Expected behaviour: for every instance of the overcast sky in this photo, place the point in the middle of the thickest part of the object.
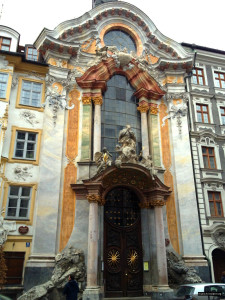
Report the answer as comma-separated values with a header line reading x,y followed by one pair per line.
x,y
194,21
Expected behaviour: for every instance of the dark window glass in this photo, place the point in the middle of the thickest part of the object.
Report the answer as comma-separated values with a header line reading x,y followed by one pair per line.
x,y
118,112
120,39
215,204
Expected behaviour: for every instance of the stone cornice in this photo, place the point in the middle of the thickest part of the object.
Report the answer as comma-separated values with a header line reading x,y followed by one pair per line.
x,y
198,134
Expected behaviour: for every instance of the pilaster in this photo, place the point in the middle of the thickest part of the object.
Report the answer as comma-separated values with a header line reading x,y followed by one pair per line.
x,y
143,108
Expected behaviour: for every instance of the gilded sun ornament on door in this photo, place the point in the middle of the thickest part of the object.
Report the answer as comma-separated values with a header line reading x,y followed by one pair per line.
x,y
113,259
132,258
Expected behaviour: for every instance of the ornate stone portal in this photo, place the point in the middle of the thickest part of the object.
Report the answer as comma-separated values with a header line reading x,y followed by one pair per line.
x,y
130,171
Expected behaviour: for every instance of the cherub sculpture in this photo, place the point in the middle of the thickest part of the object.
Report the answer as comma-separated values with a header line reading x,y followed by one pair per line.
x,y
103,160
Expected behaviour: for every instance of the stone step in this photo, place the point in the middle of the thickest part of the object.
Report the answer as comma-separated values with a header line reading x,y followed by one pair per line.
x,y
129,298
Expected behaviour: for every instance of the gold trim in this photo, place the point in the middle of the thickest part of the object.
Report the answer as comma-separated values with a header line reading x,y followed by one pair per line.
x,y
97,100
157,203
32,200
92,198
143,108
18,105
12,146
86,100
153,109
9,83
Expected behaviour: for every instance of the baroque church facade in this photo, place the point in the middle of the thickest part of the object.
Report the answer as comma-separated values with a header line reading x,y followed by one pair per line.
x,y
112,141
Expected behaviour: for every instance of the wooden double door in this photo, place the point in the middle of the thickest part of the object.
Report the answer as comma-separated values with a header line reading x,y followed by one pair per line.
x,y
123,263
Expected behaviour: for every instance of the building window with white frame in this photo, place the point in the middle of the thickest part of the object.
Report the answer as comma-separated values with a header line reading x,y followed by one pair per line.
x,y
18,204
25,146
222,114
198,76
31,93
219,80
3,84
202,113
209,158
215,204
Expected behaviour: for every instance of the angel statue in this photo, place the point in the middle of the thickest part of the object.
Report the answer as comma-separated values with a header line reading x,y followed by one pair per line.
x,y
127,149
148,164
103,160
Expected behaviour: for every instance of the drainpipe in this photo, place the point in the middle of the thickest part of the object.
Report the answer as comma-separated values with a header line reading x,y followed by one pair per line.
x,y
187,89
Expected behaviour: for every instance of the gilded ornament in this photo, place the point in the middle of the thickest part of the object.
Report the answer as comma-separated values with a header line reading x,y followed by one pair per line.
x,y
144,204
154,110
86,100
113,259
143,108
92,198
97,100
157,203
132,258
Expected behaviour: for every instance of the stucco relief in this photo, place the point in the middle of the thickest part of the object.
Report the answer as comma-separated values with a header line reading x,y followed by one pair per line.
x,y
29,117
3,63
219,237
5,228
22,173
178,110
56,98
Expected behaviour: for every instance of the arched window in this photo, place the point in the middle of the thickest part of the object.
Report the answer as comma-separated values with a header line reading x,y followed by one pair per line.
x,y
120,39
118,110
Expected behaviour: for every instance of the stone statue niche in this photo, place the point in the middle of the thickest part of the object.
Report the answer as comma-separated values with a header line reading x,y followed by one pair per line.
x,y
99,2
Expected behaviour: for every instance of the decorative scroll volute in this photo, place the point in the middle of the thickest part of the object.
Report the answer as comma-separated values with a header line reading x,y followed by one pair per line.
x,y
86,100
97,100
95,198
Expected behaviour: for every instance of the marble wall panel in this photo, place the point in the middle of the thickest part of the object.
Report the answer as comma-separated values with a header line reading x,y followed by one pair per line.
x,y
48,193
86,133
188,210
79,236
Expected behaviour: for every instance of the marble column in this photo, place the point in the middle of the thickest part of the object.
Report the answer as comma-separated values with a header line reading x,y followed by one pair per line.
x,y
97,124
143,108
158,204
92,289
92,262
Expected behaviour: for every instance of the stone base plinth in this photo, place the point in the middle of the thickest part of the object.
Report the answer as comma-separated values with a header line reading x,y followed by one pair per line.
x,y
92,293
195,261
38,270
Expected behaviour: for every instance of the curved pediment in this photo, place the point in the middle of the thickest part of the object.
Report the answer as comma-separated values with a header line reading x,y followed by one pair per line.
x,y
129,175
67,37
97,76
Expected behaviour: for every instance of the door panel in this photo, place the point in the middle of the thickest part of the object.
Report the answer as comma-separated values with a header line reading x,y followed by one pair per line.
x,y
218,256
122,244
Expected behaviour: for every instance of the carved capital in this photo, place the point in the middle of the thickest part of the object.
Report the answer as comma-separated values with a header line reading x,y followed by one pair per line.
x,y
157,202
143,107
153,108
144,204
86,100
93,198
97,100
